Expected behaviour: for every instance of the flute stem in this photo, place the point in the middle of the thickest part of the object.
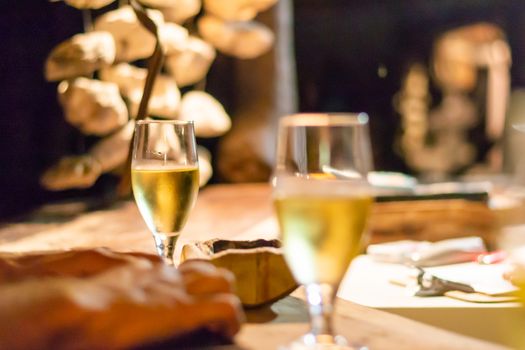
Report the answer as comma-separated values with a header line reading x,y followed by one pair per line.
x,y
320,297
166,247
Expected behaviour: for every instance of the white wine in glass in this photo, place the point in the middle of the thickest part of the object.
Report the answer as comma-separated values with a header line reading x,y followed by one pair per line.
x,y
322,200
165,179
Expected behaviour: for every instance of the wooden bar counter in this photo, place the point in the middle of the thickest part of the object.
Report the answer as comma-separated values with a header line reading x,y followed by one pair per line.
x,y
229,212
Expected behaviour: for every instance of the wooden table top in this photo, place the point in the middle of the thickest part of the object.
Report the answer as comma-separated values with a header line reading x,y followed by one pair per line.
x,y
230,212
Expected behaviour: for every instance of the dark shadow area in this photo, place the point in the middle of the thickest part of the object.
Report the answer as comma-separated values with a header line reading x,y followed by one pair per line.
x,y
352,56
287,310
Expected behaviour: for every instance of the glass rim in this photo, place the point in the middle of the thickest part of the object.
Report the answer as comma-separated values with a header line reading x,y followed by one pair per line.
x,y
164,121
324,119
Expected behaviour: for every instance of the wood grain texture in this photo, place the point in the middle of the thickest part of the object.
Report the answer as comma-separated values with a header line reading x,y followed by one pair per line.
x,y
230,212
360,325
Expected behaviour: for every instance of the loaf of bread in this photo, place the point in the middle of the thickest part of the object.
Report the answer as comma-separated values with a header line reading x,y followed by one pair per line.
x,y
98,299
262,275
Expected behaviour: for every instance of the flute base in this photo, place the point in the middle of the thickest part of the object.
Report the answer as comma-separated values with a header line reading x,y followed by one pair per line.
x,y
310,341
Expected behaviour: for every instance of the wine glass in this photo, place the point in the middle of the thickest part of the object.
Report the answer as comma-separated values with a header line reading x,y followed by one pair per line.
x,y
165,178
322,200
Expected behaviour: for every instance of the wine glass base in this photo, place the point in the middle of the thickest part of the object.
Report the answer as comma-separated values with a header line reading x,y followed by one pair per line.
x,y
322,342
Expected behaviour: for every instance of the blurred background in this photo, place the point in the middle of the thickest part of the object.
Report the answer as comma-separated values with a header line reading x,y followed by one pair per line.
x,y
441,81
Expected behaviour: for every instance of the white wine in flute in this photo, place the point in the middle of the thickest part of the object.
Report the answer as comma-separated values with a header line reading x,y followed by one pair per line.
x,y
165,196
321,235
322,227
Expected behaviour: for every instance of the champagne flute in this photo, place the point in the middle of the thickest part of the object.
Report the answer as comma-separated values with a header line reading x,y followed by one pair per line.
x,y
322,200
165,179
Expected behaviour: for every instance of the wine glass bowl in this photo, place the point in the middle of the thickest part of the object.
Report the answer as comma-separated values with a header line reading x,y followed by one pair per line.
x,y
165,179
322,200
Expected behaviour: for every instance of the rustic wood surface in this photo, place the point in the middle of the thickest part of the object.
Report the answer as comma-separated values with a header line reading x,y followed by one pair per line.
x,y
231,212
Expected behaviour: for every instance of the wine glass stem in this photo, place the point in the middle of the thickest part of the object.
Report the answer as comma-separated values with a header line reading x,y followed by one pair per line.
x,y
320,305
165,247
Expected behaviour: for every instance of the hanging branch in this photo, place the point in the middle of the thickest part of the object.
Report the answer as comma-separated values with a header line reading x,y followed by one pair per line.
x,y
154,66
87,20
